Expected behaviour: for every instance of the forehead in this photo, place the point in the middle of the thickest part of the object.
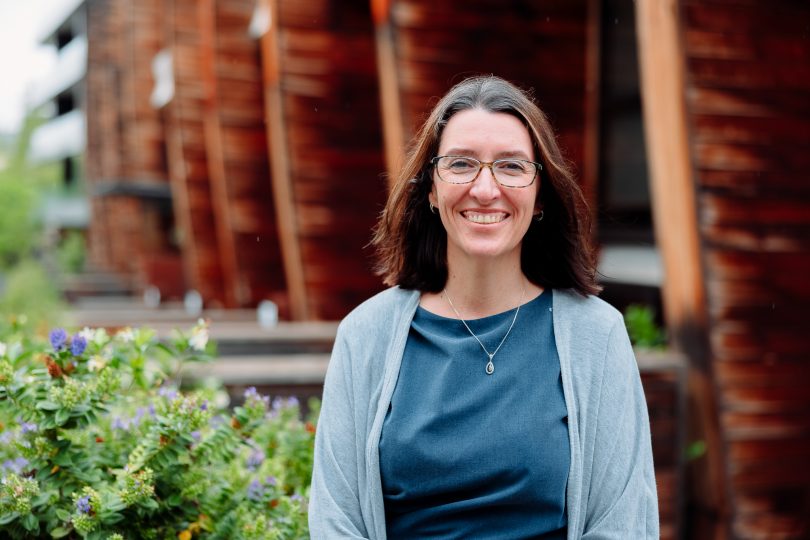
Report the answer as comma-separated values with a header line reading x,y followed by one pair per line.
x,y
485,132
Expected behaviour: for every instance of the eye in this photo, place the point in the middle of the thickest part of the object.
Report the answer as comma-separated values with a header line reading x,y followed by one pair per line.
x,y
460,164
512,166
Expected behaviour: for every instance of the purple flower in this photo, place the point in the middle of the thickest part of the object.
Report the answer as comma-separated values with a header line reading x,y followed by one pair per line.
x,y
251,392
196,434
255,490
204,406
271,481
152,410
83,505
58,338
168,393
140,412
78,344
16,465
28,427
255,459
296,497
120,423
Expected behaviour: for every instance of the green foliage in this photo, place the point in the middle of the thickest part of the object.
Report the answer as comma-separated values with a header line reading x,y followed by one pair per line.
x,y
21,185
98,440
29,290
18,230
71,253
642,328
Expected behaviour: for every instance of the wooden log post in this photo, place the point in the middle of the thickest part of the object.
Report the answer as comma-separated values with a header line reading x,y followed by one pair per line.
x,y
390,106
662,70
233,295
280,165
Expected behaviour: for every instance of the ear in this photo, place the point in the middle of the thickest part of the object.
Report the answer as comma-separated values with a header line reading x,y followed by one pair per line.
x,y
537,210
432,198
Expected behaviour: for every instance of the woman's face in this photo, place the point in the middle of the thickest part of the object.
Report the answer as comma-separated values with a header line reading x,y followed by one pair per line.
x,y
483,219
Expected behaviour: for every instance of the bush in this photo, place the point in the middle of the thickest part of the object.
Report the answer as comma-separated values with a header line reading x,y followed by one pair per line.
x,y
641,326
98,440
29,290
71,253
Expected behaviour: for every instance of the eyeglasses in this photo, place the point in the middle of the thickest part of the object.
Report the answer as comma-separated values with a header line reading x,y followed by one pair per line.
x,y
513,173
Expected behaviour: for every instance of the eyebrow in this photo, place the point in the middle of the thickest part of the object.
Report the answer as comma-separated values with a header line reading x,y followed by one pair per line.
x,y
517,154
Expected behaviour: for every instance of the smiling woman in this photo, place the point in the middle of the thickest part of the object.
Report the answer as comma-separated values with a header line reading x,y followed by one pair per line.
x,y
488,393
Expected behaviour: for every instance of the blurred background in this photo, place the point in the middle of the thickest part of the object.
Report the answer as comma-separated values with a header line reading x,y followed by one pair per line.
x,y
162,160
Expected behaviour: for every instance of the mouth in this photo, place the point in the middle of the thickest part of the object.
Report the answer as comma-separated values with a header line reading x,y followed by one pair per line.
x,y
484,219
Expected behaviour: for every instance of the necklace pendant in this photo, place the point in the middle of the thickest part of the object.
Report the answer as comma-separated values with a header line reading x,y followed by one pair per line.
x,y
490,367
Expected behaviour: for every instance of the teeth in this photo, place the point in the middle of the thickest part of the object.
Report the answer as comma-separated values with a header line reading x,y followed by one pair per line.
x,y
484,218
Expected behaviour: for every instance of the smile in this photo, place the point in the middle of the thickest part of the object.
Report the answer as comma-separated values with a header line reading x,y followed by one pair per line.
x,y
485,219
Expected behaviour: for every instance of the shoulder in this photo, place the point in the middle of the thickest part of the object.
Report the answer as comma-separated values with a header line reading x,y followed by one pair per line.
x,y
587,314
371,327
383,306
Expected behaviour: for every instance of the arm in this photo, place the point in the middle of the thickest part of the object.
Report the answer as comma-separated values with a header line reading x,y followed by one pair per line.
x,y
622,497
335,510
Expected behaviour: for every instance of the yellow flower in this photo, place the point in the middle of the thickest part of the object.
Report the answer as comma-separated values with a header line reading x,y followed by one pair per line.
x,y
185,535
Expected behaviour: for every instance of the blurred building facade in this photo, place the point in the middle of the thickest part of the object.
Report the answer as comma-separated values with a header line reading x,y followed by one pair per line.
x,y
241,148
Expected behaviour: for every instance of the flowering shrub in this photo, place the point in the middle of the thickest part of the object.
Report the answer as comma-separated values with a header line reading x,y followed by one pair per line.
x,y
99,440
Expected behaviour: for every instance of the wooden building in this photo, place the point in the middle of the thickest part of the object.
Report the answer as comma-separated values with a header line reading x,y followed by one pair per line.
x,y
727,114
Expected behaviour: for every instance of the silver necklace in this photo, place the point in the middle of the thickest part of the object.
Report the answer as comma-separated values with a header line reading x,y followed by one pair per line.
x,y
490,369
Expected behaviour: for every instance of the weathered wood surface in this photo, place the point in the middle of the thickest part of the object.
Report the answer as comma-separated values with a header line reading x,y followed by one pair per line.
x,y
236,146
541,46
748,66
217,155
325,72
125,151
185,149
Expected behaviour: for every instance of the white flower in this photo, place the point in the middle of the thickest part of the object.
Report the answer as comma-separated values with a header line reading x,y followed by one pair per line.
x,y
87,333
199,336
96,363
126,335
3,349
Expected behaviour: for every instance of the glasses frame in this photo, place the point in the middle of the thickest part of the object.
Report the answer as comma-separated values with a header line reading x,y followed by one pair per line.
x,y
489,164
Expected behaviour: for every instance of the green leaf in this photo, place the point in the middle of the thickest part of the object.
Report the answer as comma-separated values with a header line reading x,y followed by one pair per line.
x,y
112,518
62,416
8,518
63,514
60,532
31,523
174,500
164,348
48,406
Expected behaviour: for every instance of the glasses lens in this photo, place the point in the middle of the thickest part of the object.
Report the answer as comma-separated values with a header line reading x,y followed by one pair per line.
x,y
514,172
457,170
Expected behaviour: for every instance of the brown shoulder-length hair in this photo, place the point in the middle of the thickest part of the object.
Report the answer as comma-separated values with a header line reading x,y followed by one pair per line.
x,y
411,241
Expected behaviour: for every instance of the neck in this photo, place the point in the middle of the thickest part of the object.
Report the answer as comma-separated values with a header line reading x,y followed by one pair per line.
x,y
480,288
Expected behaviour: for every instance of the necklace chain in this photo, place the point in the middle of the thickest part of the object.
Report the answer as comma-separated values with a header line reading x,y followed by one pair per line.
x,y
490,369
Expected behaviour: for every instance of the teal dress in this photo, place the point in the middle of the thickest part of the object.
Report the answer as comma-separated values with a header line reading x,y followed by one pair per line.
x,y
464,454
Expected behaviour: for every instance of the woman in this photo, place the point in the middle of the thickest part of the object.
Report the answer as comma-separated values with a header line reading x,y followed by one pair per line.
x,y
488,393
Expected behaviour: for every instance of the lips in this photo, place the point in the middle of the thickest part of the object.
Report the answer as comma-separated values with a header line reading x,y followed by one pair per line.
x,y
484,218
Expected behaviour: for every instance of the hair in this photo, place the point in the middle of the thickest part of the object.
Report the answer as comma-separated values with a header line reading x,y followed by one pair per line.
x,y
411,241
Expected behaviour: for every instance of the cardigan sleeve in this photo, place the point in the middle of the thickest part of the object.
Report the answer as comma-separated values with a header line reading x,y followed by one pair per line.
x,y
335,508
622,498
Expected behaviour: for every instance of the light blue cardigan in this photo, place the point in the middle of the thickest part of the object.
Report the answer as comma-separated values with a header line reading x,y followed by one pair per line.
x,y
611,490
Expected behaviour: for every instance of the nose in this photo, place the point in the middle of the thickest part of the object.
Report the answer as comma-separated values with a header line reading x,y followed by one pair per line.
x,y
484,187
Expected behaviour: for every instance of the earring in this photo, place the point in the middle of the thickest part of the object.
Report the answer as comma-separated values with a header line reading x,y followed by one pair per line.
x,y
432,208
539,217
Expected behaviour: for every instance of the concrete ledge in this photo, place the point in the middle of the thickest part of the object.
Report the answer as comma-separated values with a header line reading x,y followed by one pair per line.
x,y
292,369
